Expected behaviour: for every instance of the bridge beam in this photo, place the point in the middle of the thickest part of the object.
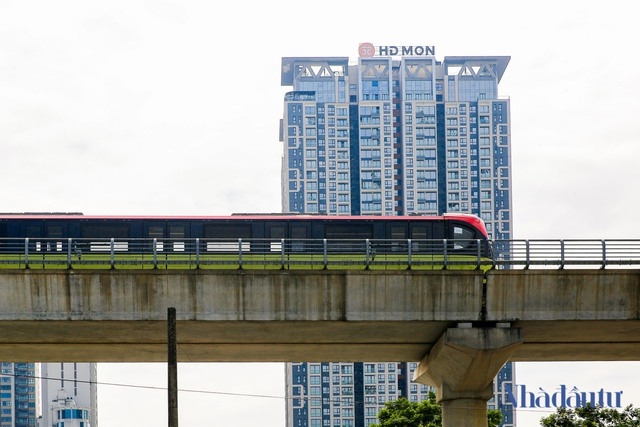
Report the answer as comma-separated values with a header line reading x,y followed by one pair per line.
x,y
462,366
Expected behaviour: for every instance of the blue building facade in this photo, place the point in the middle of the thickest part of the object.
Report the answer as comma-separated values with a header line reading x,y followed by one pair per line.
x,y
390,134
18,391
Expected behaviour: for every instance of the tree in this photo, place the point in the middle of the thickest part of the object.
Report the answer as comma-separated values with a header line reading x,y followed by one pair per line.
x,y
593,416
402,413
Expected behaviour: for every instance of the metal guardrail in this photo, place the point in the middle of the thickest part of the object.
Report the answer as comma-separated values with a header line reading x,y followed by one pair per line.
x,y
566,253
314,253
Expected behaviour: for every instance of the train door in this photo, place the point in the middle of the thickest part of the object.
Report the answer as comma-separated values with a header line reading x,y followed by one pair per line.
x,y
423,235
397,235
55,233
295,232
177,232
33,230
224,235
275,231
3,235
170,235
299,233
154,230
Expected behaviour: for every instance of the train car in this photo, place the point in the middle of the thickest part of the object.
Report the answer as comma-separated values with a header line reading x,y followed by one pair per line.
x,y
249,234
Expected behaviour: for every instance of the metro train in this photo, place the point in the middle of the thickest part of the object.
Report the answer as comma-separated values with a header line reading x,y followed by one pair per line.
x,y
465,234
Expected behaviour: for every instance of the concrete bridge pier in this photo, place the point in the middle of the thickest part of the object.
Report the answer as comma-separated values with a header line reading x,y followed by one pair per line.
x,y
462,366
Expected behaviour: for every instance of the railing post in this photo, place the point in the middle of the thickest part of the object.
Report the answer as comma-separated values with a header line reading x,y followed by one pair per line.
x,y
409,254
366,266
155,253
26,252
325,254
282,253
444,254
113,252
239,253
69,253
604,253
527,254
492,249
561,254
197,252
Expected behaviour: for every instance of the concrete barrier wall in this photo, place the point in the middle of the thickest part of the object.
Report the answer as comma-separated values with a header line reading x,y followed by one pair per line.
x,y
536,295
240,295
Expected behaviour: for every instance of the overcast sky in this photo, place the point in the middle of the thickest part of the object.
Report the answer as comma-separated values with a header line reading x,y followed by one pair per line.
x,y
172,107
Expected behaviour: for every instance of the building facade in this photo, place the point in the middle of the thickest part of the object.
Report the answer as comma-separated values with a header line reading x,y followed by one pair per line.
x,y
19,403
346,394
390,135
408,136
69,394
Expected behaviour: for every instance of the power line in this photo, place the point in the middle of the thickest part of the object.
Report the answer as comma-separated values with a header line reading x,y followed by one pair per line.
x,y
146,387
218,393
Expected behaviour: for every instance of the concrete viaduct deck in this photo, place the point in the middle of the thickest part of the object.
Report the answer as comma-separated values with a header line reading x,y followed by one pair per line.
x,y
461,325
288,315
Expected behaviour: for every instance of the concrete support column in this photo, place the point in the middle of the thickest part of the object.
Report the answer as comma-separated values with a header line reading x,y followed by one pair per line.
x,y
462,366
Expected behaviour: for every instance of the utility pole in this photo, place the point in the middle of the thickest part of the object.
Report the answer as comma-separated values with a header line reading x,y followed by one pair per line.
x,y
172,367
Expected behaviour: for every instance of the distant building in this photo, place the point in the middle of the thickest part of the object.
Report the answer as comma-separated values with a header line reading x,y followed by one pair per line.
x,y
346,394
397,133
72,389
65,412
18,394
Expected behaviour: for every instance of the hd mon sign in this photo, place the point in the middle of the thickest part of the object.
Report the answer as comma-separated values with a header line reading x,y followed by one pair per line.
x,y
367,50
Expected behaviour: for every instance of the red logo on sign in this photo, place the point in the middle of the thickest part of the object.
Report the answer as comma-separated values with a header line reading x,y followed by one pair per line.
x,y
366,50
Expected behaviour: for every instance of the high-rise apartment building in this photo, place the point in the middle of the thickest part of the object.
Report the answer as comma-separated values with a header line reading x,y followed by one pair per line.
x,y
69,394
18,394
408,136
397,133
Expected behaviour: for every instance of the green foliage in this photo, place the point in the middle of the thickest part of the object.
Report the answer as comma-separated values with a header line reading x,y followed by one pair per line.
x,y
494,417
593,416
402,413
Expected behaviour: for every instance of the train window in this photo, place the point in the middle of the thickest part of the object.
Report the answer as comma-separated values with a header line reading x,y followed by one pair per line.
x,y
227,231
105,232
33,231
54,232
463,236
276,232
398,232
227,235
348,231
299,233
357,231
155,232
460,232
177,232
419,232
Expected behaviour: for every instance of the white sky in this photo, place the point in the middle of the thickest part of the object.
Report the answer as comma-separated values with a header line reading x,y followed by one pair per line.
x,y
172,107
